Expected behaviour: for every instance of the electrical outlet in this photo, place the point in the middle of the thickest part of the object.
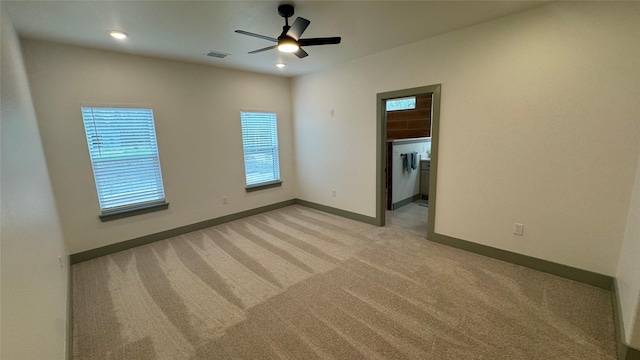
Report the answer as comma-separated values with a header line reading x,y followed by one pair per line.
x,y
333,192
60,262
224,200
518,229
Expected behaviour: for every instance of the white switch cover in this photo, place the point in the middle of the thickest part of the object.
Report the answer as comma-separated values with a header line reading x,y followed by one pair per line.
x,y
518,229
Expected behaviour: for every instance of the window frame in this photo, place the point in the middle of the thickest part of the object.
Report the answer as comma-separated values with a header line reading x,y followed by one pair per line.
x,y
134,208
269,183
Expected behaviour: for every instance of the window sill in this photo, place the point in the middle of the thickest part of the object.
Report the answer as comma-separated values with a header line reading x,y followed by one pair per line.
x,y
263,186
121,214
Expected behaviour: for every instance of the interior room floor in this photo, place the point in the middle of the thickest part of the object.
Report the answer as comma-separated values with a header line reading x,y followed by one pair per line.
x,y
411,217
296,283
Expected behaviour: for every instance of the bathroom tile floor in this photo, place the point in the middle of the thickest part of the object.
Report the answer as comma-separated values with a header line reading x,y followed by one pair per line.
x,y
411,217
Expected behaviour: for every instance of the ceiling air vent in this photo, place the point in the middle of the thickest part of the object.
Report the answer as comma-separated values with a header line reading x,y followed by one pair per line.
x,y
217,54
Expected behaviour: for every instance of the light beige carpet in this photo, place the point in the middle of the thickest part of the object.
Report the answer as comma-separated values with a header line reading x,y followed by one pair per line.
x,y
296,283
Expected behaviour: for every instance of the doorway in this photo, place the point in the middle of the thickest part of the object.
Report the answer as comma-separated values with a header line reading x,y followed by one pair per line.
x,y
384,152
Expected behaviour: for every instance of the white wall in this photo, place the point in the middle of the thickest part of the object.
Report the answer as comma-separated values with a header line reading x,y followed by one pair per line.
x,y
197,115
629,270
34,285
524,100
406,184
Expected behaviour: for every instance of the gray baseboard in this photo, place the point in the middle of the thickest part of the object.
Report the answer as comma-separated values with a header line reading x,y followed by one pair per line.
x,y
69,330
625,352
565,271
147,239
339,212
580,275
406,201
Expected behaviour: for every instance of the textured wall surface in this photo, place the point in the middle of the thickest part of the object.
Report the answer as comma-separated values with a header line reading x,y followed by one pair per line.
x,y
197,117
538,125
34,281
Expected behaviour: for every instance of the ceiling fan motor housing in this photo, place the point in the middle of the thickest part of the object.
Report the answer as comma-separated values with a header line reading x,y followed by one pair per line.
x,y
285,10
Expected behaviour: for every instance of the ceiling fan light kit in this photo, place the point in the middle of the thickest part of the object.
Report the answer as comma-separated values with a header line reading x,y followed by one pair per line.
x,y
289,40
287,44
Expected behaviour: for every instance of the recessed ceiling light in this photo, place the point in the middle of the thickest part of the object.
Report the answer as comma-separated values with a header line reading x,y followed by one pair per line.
x,y
118,34
281,65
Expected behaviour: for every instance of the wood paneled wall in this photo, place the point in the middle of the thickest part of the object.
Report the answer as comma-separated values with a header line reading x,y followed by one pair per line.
x,y
404,124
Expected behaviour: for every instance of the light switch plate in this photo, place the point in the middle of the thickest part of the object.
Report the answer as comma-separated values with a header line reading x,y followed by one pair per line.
x,y
518,229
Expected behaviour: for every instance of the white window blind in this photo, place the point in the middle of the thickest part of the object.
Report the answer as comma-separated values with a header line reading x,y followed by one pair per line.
x,y
124,154
401,103
260,145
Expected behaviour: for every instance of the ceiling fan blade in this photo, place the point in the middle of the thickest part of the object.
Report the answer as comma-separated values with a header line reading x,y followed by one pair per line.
x,y
301,53
263,49
257,35
320,41
298,27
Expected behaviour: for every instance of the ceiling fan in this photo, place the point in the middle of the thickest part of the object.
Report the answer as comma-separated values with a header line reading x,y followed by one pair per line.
x,y
289,40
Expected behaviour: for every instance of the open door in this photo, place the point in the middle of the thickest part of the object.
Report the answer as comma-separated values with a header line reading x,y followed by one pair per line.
x,y
384,197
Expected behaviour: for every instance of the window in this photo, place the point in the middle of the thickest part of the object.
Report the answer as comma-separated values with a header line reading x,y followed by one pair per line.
x,y
260,145
124,155
401,103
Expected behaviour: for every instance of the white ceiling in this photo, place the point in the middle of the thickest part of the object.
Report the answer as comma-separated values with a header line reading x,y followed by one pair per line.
x,y
185,30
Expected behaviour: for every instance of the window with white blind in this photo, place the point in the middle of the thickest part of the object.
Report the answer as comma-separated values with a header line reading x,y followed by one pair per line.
x,y
260,145
124,155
